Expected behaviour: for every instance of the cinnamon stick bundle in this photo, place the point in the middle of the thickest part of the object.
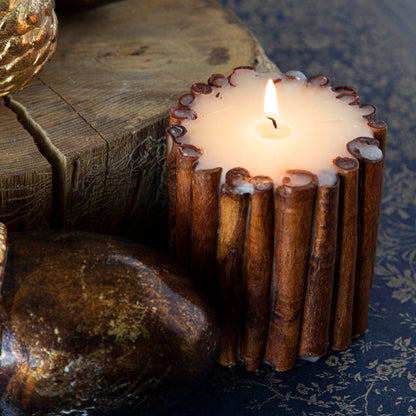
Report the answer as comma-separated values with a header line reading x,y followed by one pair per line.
x,y
344,277
234,203
302,264
371,162
314,334
186,158
205,214
259,268
295,206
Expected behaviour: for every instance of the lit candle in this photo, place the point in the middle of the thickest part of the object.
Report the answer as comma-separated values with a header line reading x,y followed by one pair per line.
x,y
271,177
305,127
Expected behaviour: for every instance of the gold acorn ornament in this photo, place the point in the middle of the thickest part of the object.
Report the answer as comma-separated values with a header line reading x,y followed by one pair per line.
x,y
27,40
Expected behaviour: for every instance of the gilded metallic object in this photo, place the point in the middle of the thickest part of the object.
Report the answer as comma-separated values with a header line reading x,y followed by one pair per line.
x,y
94,324
27,40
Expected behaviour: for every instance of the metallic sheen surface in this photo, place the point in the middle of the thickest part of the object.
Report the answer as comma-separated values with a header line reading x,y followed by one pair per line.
x,y
27,41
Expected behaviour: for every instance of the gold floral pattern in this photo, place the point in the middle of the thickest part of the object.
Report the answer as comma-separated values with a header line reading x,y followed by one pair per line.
x,y
377,375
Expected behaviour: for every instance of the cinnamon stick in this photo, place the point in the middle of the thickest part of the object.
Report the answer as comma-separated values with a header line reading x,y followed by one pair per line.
x,y
217,80
205,213
200,88
173,133
234,203
345,89
185,101
186,158
295,206
379,129
320,80
370,110
3,252
3,249
178,114
259,268
239,70
370,190
344,278
314,335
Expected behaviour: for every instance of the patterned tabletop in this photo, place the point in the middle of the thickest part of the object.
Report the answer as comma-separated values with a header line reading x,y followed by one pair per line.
x,y
370,45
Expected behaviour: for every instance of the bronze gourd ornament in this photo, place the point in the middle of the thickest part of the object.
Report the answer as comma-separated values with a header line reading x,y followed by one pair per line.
x,y
97,325
27,41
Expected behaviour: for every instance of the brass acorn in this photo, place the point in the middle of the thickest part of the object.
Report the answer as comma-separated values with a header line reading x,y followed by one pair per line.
x,y
27,40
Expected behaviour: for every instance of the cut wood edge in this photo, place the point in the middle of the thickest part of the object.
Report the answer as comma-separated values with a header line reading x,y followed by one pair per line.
x,y
25,177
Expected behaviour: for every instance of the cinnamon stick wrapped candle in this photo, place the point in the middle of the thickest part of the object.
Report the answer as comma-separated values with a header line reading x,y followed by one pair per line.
x,y
280,192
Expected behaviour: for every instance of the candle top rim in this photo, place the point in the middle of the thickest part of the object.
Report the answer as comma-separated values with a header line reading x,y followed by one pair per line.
x,y
221,85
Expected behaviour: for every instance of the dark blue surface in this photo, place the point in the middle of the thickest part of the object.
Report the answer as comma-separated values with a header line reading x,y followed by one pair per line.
x,y
370,45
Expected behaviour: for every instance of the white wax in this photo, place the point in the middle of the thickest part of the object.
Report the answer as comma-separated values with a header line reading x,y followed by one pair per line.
x,y
315,126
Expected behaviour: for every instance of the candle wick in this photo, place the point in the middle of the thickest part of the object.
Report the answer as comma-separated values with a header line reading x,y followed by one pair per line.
x,y
273,121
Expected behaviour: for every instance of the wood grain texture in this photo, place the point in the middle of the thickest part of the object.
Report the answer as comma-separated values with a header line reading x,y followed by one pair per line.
x,y
98,111
25,177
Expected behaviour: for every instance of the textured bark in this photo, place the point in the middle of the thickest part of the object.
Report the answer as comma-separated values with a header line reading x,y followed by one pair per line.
x,y
344,280
259,269
185,161
370,193
230,261
314,337
295,208
205,217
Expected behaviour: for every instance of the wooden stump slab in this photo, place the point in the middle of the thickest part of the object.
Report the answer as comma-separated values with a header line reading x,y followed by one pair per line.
x,y
25,177
98,111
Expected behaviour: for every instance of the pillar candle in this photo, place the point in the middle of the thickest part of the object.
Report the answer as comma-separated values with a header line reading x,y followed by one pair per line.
x,y
275,186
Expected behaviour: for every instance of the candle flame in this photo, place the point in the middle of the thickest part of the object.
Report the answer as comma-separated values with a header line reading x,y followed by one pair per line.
x,y
271,108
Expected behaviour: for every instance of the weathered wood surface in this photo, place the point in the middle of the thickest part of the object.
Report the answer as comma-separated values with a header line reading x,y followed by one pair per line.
x,y
98,111
25,177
